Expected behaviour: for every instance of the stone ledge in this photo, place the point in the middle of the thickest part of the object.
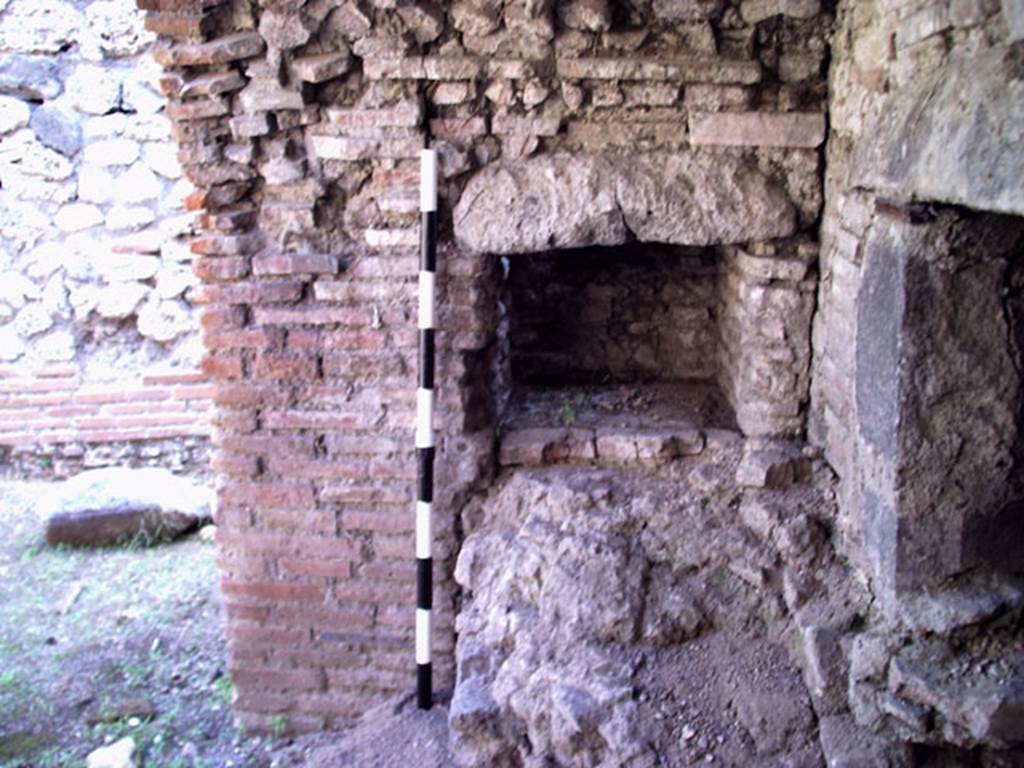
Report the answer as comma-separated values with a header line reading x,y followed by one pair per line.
x,y
542,446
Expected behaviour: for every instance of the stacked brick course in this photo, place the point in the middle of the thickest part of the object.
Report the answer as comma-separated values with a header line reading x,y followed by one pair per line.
x,y
300,123
55,422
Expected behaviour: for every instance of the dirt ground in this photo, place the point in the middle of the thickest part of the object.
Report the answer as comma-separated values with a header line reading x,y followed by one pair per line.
x,y
100,644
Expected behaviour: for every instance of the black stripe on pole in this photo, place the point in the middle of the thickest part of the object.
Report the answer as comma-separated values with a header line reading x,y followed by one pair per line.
x,y
426,358
425,474
424,686
428,241
424,582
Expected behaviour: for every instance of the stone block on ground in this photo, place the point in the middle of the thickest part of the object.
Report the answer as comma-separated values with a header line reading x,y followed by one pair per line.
x,y
120,754
119,505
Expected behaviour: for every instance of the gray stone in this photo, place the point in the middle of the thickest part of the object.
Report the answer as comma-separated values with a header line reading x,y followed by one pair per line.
x,y
983,697
119,301
476,17
755,11
847,745
772,715
824,670
75,217
1013,12
124,267
761,469
117,505
472,706
673,614
120,754
40,26
139,98
94,90
869,656
880,304
33,320
283,30
16,289
966,13
955,139
32,77
55,347
687,10
424,19
21,153
95,185
564,201
14,114
163,159
116,29
122,218
997,717
137,185
111,152
941,612
57,129
164,321
11,345
590,15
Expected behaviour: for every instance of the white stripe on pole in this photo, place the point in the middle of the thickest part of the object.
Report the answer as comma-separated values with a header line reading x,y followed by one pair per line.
x,y
426,300
422,636
428,180
424,532
424,418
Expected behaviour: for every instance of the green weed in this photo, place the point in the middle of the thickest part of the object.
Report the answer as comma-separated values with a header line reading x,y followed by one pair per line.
x,y
566,413
223,688
279,726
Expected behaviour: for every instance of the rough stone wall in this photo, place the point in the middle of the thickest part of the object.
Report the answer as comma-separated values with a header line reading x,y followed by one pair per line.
x,y
765,306
927,105
98,353
300,123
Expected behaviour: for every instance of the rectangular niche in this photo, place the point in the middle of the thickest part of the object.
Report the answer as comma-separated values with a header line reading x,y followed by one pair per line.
x,y
940,394
623,336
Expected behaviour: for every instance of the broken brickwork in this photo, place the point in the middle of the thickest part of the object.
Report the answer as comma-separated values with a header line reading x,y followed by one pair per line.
x,y
620,129
300,124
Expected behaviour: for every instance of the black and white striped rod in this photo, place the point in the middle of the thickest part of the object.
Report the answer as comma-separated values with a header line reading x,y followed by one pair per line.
x,y
425,428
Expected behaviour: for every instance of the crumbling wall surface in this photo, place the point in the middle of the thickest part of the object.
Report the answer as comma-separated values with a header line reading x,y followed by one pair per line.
x,y
98,352
926,107
656,616
301,123
916,380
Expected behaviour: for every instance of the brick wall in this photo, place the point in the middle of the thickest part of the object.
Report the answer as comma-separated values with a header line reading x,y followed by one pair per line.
x,y
300,124
55,422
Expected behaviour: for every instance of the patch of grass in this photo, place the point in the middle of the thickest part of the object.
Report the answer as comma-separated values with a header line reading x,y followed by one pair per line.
x,y
223,688
279,726
135,675
18,745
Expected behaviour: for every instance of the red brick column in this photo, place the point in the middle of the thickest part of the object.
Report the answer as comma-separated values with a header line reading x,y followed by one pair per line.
x,y
308,265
